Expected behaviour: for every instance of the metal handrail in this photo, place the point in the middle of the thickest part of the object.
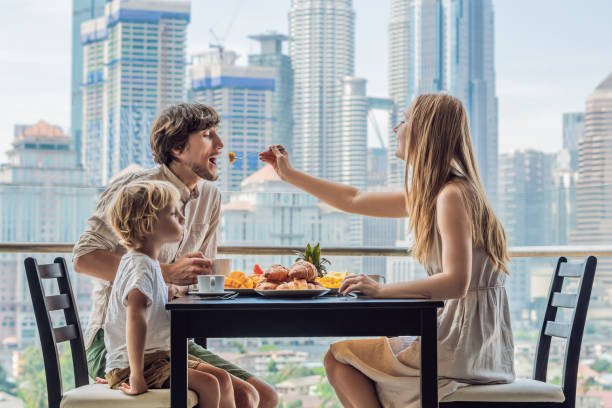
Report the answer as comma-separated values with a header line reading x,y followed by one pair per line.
x,y
514,252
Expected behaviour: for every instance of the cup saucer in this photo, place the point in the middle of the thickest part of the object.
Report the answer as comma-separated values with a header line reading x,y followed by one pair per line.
x,y
211,294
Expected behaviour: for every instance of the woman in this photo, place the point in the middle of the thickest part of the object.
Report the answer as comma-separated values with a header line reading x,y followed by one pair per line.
x,y
462,245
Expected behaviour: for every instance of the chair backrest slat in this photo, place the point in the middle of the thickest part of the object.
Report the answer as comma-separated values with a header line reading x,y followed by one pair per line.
x,y
50,336
567,300
557,329
49,271
571,270
65,333
58,302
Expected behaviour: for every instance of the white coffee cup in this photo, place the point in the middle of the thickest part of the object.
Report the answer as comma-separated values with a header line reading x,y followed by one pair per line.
x,y
211,283
221,266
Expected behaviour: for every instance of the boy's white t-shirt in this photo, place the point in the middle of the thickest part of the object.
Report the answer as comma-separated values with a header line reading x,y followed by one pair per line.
x,y
136,271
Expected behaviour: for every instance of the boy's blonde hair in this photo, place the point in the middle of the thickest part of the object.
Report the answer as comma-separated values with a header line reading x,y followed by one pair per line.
x,y
136,207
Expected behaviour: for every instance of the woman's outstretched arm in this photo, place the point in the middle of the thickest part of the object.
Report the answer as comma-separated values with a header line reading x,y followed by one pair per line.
x,y
453,282
341,196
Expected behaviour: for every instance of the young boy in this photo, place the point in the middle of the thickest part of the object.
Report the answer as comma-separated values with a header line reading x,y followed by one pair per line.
x,y
146,215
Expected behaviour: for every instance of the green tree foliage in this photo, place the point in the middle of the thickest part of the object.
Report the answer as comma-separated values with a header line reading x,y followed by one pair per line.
x,y
272,368
602,366
295,404
327,395
32,386
267,347
238,345
289,372
5,385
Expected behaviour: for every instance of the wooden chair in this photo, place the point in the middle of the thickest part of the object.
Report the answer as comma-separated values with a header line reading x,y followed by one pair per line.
x,y
85,394
536,392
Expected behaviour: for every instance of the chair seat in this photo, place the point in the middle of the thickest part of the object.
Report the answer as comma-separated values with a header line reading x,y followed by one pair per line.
x,y
100,395
521,390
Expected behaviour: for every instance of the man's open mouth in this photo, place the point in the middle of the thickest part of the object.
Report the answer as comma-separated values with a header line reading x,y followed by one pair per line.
x,y
213,160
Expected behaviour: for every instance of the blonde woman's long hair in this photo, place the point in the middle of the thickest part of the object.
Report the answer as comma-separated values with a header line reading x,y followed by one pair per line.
x,y
437,141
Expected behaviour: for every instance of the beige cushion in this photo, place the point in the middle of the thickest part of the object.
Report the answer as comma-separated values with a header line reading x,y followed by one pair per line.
x,y
521,390
100,395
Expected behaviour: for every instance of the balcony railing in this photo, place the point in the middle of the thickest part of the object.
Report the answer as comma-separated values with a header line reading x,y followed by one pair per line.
x,y
514,252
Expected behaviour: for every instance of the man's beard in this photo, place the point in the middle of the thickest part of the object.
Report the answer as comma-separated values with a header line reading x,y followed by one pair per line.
x,y
203,172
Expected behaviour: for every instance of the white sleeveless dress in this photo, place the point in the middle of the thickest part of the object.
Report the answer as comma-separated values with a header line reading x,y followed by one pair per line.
x,y
475,344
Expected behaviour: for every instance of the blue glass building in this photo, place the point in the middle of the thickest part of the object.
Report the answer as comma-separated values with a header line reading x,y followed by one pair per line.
x,y
243,97
134,66
271,55
82,10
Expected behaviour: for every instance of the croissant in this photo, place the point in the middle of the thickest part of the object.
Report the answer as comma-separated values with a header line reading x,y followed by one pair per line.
x,y
276,273
303,270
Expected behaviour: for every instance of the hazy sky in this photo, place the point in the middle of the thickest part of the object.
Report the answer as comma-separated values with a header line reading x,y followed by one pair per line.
x,y
550,55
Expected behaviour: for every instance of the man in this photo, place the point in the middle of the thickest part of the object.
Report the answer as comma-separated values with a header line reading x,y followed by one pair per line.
x,y
186,146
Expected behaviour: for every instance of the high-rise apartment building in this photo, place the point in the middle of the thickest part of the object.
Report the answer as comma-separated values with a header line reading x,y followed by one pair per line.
x,y
564,178
244,98
594,186
525,203
322,51
271,55
82,10
377,167
446,46
573,130
133,67
525,210
350,150
43,198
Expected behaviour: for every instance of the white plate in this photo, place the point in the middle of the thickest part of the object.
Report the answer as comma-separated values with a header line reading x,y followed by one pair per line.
x,y
292,293
211,294
243,291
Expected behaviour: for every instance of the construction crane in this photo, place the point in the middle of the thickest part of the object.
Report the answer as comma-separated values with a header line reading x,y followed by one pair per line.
x,y
219,43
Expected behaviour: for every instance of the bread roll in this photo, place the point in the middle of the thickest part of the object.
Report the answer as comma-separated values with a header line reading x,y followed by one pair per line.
x,y
303,270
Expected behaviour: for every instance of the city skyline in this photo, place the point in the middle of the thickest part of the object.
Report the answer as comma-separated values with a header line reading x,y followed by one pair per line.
x,y
532,96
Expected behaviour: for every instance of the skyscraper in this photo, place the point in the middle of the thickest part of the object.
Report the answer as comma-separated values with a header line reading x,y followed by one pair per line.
x,y
271,55
243,97
573,130
594,186
43,198
350,150
134,66
322,51
377,167
82,10
399,68
564,178
446,46
526,211
525,197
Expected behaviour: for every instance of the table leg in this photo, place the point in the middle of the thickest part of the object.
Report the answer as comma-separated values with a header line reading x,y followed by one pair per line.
x,y
429,358
178,361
